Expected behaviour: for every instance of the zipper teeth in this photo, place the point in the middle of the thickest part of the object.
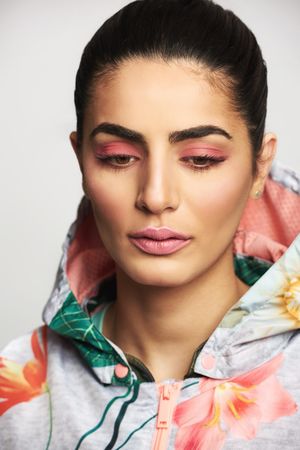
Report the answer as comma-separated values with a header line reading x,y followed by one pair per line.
x,y
161,440
158,440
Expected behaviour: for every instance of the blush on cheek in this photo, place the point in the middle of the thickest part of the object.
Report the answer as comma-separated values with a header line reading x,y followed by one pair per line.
x,y
110,208
222,200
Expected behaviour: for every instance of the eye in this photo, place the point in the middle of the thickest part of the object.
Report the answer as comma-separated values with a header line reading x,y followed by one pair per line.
x,y
197,163
117,161
203,162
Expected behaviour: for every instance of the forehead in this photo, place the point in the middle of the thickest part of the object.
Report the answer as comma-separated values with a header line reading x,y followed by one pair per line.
x,y
173,93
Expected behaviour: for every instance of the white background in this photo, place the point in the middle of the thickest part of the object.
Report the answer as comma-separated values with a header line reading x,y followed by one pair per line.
x,y
40,47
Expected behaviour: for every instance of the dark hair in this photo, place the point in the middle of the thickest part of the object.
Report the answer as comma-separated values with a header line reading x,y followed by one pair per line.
x,y
196,30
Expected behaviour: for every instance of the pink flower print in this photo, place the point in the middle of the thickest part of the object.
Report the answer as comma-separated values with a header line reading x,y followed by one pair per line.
x,y
235,405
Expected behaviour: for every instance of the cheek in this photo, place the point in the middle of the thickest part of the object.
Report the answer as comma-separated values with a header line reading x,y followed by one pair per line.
x,y
109,208
220,200
109,202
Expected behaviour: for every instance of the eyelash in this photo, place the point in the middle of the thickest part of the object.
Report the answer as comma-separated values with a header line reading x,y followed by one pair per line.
x,y
106,160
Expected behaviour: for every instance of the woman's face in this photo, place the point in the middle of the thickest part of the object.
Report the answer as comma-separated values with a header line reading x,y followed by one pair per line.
x,y
194,183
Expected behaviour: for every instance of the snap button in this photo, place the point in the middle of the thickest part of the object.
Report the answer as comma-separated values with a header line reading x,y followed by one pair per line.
x,y
208,361
121,371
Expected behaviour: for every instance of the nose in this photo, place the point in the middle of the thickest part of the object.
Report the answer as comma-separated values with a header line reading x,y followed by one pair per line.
x,y
158,189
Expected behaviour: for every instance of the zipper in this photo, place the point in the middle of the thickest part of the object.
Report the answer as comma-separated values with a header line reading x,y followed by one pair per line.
x,y
167,401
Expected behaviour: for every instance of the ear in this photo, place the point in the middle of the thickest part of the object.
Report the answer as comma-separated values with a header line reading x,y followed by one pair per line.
x,y
74,142
263,164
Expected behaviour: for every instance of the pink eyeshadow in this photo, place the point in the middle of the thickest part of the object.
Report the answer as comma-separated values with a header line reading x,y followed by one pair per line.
x,y
120,147
204,150
114,148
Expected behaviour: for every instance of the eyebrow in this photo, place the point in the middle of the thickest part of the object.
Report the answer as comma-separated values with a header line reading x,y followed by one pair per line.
x,y
175,136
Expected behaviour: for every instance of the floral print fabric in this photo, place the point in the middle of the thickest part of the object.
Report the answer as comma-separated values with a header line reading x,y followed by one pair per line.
x,y
20,383
235,406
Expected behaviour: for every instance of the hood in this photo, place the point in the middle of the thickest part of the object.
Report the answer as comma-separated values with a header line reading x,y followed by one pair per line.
x,y
267,257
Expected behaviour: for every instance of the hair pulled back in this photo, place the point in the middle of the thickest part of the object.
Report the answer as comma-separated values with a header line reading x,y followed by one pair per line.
x,y
197,30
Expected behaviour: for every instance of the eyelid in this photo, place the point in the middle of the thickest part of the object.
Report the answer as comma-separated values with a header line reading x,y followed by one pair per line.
x,y
204,157
203,151
118,145
115,147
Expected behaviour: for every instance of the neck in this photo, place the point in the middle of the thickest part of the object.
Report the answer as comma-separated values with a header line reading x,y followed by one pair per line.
x,y
163,326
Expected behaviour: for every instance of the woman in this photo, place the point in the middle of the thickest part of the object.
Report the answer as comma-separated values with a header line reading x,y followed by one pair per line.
x,y
174,318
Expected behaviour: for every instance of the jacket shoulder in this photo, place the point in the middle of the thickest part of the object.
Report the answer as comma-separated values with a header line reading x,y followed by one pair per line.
x,y
20,346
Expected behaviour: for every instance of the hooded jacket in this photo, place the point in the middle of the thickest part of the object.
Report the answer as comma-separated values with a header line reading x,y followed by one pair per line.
x,y
65,386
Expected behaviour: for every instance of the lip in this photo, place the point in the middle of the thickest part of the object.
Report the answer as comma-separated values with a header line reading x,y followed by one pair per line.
x,y
159,234
159,241
162,247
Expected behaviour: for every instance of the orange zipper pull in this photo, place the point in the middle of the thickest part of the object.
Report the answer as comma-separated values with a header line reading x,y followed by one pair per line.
x,y
167,403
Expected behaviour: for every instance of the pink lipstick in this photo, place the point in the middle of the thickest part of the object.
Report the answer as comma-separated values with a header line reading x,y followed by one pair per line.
x,y
159,241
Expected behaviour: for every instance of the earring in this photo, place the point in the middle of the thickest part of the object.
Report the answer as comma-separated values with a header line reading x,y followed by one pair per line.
x,y
257,194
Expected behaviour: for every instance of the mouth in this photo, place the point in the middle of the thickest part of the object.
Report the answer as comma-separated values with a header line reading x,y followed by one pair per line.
x,y
159,234
159,247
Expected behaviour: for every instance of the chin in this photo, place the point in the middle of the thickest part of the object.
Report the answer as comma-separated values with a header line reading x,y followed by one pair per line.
x,y
157,276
